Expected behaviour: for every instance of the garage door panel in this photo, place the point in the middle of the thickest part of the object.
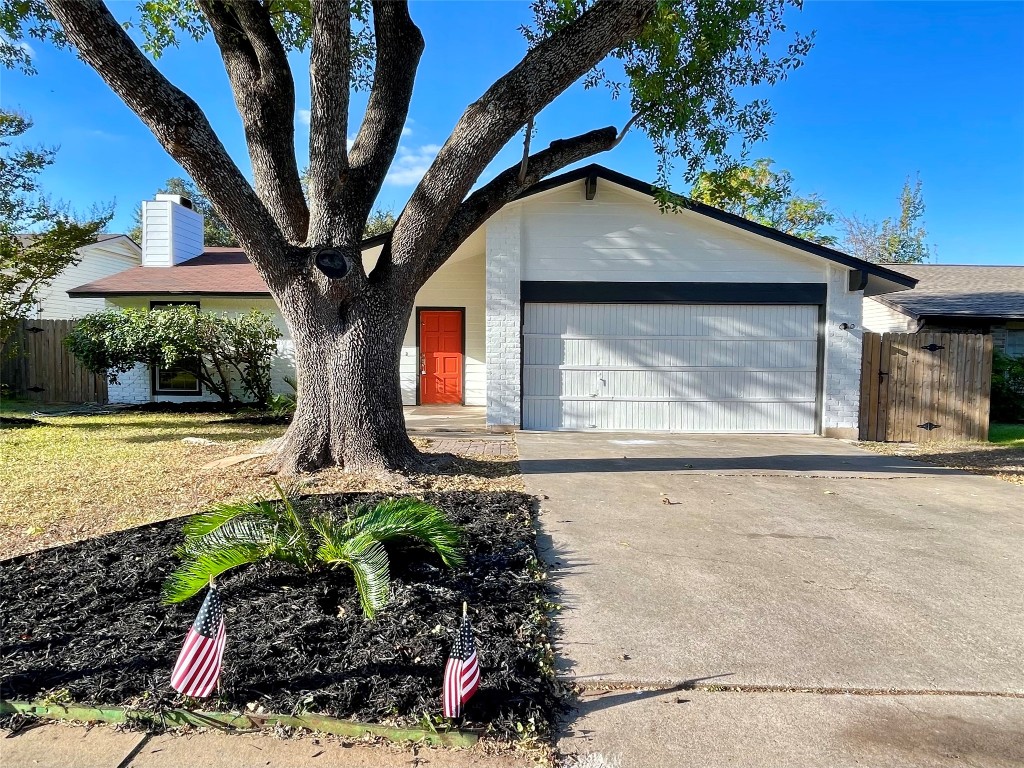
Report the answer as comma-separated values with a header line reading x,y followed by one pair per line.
x,y
681,417
702,368
675,385
619,352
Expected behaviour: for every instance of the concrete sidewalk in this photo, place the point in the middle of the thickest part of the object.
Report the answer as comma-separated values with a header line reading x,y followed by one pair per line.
x,y
780,563
68,746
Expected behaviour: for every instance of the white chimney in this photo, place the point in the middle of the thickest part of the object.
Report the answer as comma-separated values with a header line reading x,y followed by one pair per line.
x,y
171,231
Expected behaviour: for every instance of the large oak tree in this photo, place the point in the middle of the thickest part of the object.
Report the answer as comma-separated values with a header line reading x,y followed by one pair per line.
x,y
678,62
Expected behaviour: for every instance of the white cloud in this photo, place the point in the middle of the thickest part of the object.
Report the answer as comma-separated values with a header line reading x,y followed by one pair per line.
x,y
25,47
411,163
406,132
304,115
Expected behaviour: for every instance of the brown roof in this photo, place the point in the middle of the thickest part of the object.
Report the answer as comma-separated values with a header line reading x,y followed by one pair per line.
x,y
953,290
218,271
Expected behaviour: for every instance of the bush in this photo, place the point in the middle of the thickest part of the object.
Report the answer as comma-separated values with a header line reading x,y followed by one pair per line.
x,y
1007,387
226,351
238,534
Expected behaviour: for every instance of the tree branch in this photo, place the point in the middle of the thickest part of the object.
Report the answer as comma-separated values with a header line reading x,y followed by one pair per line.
x,y
261,81
329,81
178,124
399,46
508,185
489,123
526,150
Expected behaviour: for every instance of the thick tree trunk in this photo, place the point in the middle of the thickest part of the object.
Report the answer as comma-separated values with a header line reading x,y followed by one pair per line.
x,y
349,409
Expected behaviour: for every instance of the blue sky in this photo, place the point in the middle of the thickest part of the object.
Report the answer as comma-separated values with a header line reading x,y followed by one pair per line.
x,y
891,89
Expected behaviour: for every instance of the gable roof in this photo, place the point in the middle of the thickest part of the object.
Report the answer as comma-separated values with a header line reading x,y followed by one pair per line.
x,y
955,290
874,278
219,271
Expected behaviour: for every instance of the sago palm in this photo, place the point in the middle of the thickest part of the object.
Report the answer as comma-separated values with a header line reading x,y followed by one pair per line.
x,y
232,535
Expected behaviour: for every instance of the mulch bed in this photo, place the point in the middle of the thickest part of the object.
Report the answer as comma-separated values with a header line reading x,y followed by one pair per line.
x,y
84,623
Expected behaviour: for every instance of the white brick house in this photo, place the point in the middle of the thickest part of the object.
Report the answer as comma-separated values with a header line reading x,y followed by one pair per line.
x,y
581,305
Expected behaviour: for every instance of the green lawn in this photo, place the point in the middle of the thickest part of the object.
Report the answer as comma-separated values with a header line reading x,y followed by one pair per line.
x,y
78,476
1007,434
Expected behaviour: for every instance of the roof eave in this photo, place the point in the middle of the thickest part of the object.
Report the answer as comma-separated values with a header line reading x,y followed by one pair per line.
x,y
878,280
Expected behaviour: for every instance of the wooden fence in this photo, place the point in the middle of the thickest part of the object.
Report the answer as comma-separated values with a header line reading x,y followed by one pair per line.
x,y
35,365
918,387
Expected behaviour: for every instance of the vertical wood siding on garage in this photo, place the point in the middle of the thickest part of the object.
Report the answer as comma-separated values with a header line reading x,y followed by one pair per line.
x,y
667,367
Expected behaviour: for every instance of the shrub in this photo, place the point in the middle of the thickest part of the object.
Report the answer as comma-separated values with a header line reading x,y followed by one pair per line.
x,y
1007,387
233,535
226,351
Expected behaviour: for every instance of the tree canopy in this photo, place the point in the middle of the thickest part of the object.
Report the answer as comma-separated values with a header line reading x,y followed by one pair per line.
x,y
39,237
761,194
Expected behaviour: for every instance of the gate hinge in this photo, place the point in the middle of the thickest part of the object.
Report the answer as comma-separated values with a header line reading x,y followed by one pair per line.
x,y
933,347
929,426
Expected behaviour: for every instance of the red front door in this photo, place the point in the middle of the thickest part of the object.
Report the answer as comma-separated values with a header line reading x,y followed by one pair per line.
x,y
440,356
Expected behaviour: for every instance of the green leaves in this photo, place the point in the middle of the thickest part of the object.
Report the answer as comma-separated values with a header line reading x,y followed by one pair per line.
x,y
231,535
684,73
30,262
408,518
232,351
362,554
758,193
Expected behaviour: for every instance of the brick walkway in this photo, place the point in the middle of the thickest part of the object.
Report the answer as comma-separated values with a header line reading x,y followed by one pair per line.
x,y
474,446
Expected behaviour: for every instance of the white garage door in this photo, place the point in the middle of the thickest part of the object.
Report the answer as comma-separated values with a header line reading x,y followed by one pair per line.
x,y
670,367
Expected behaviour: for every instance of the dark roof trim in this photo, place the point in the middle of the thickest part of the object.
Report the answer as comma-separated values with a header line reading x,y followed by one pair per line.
x,y
77,294
595,171
585,292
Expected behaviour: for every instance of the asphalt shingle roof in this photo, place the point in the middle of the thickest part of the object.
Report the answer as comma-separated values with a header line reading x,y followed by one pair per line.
x,y
965,291
216,271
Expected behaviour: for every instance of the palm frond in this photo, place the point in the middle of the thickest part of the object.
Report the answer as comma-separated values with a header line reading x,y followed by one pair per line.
x,y
363,555
212,520
194,574
410,518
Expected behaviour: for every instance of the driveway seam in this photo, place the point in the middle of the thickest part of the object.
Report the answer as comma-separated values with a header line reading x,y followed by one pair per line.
x,y
668,686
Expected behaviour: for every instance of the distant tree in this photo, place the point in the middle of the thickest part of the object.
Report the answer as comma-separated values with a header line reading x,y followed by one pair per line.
x,y
215,231
892,241
380,222
758,193
39,237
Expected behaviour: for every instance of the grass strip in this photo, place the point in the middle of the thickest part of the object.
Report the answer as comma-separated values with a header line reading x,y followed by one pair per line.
x,y
176,718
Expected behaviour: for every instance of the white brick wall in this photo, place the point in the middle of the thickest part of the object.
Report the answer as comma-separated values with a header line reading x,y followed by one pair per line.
x,y
132,387
841,396
503,275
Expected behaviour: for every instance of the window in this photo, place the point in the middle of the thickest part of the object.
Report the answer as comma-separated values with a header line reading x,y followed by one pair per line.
x,y
182,379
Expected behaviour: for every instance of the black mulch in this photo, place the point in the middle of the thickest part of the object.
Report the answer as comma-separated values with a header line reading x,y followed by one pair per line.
x,y
84,622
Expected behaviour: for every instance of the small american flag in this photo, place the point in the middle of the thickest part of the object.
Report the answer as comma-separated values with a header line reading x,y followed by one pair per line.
x,y
462,673
198,667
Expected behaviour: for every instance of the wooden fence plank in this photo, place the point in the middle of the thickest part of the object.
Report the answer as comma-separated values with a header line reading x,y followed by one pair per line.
x,y
948,386
42,370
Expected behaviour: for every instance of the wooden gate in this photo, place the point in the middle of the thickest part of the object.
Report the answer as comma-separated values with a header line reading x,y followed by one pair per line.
x,y
917,387
35,366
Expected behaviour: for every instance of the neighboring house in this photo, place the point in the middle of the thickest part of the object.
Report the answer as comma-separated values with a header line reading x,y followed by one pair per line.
x,y
957,298
109,255
581,305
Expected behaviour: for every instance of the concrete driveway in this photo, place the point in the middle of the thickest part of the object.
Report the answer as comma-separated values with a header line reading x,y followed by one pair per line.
x,y
781,564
